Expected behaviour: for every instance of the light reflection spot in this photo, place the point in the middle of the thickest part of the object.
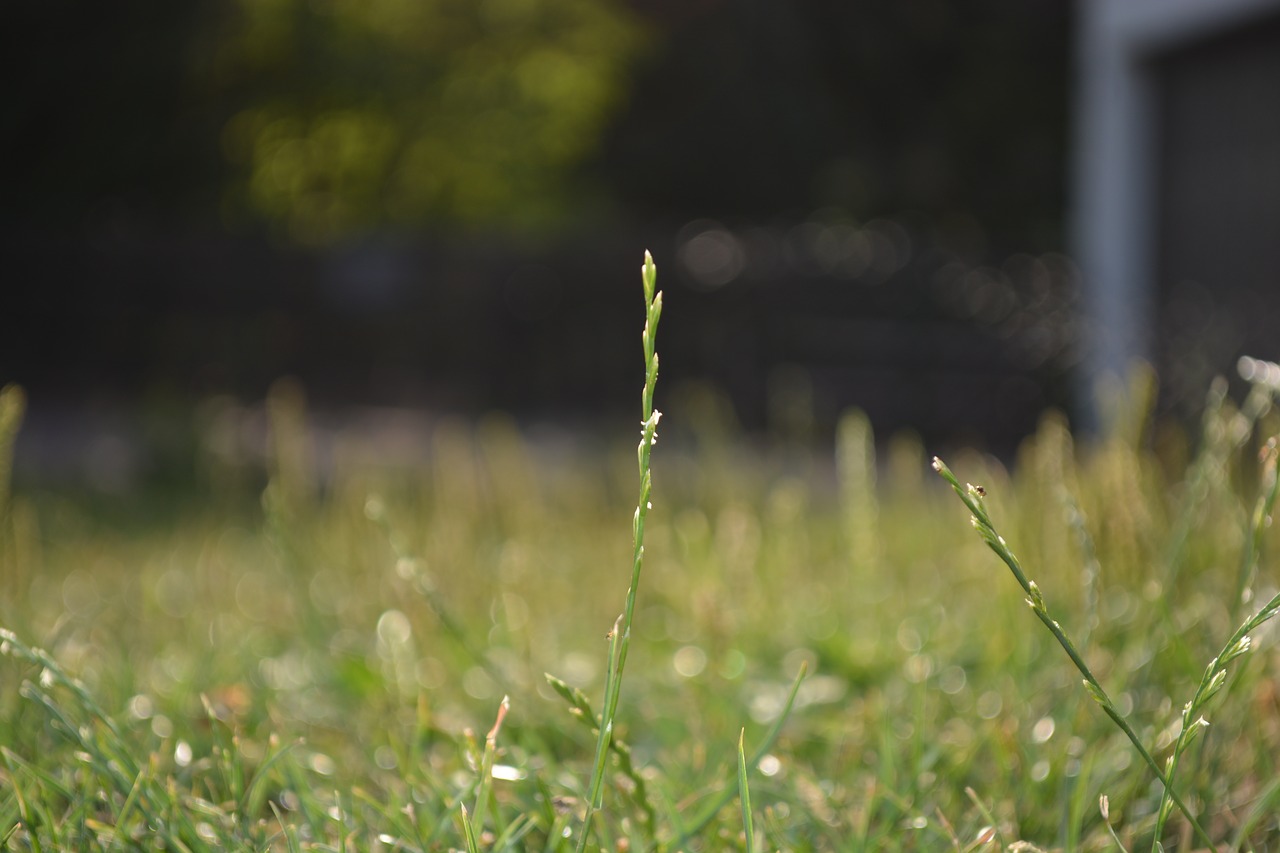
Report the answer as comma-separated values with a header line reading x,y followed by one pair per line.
x,y
689,661
1042,730
989,705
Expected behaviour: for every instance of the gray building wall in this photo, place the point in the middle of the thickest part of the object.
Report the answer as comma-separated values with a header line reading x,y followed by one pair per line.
x,y
1175,204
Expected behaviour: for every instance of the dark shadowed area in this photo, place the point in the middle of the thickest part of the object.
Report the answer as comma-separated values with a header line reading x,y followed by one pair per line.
x,y
441,207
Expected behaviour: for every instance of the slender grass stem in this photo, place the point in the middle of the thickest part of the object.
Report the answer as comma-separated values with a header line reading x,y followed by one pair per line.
x,y
744,795
974,500
620,636
486,767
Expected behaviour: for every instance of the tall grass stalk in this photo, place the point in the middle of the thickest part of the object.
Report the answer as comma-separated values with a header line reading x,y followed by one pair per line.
x,y
974,498
620,636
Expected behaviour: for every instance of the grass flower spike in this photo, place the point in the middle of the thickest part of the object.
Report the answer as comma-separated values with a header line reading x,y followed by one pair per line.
x,y
620,636
974,497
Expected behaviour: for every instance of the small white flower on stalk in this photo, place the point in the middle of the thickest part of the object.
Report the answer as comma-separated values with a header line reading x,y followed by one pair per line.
x,y
1241,647
652,423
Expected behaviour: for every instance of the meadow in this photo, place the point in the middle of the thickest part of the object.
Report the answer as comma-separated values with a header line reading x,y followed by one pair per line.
x,y
822,652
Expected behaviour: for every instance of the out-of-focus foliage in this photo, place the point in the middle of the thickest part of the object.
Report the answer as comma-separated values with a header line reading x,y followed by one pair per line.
x,y
335,116
367,113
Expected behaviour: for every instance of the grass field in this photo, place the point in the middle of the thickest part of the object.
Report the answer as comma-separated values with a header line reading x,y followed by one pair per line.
x,y
356,661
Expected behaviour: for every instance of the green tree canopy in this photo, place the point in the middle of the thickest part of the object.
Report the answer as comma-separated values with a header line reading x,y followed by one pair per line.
x,y
361,114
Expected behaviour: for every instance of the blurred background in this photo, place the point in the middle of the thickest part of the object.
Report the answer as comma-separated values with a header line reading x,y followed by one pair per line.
x,y
419,208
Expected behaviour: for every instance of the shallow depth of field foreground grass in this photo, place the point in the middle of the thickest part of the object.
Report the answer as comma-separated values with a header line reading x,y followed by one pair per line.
x,y
325,669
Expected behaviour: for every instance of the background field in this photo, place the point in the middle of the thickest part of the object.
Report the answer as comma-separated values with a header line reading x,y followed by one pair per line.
x,y
317,668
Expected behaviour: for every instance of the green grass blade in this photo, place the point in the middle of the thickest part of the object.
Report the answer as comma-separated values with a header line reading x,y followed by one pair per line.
x,y
744,795
468,833
254,793
709,812
287,830
486,765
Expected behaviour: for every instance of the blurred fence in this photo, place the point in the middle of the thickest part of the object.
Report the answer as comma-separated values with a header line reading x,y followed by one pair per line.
x,y
793,322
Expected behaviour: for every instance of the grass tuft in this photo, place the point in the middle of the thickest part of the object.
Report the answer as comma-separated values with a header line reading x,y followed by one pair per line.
x,y
353,658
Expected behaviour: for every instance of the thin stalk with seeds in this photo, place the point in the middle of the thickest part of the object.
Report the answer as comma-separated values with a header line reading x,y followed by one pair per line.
x,y
1215,674
580,707
974,500
620,636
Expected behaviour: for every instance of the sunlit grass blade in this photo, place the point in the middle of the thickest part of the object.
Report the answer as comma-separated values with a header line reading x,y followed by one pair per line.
x,y
290,833
468,832
992,823
595,789
486,766
744,795
713,808
255,792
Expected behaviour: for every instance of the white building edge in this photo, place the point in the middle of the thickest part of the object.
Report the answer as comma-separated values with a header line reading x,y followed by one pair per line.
x,y
1116,144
